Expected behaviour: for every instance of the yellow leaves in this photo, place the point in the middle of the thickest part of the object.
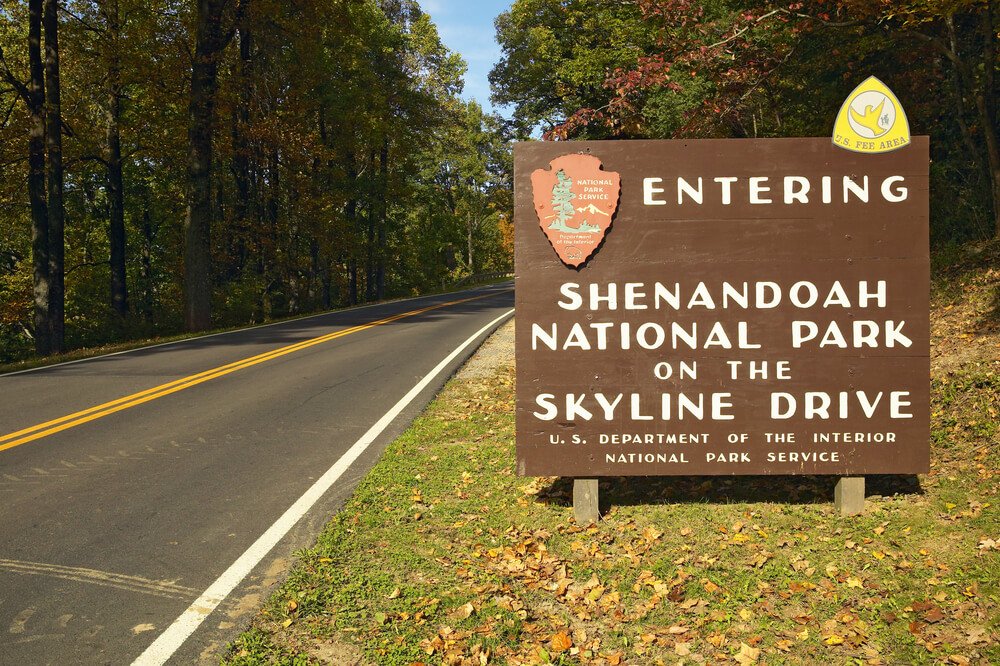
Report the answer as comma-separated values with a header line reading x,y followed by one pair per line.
x,y
463,612
745,614
854,583
287,622
747,655
292,605
561,642
803,635
710,587
394,594
651,534
834,639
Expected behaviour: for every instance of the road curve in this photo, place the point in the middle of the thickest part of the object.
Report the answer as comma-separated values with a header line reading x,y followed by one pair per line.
x,y
131,483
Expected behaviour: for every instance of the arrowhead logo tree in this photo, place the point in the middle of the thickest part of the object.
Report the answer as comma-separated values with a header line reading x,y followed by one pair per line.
x,y
576,202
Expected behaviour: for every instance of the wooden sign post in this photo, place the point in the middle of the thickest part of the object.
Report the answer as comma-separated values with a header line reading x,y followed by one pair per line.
x,y
721,307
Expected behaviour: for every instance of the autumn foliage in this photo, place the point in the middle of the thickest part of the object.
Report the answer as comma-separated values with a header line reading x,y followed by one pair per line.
x,y
249,159
682,69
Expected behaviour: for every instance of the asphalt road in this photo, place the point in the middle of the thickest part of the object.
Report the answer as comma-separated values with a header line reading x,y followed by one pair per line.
x,y
112,523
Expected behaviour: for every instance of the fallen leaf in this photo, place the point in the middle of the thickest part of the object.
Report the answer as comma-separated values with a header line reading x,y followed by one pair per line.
x,y
834,639
747,655
394,594
934,615
651,533
976,635
561,642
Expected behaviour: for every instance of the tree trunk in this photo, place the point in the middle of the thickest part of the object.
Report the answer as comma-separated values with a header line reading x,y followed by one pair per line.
x,y
351,214
53,140
241,147
146,257
209,43
469,226
383,211
986,103
36,182
113,157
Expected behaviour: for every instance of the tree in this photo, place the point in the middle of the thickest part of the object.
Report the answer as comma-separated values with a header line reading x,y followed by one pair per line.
x,y
211,39
33,94
56,207
731,68
346,168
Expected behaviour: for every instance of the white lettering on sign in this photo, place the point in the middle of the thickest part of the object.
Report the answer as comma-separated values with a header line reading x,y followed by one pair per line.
x,y
794,189
761,295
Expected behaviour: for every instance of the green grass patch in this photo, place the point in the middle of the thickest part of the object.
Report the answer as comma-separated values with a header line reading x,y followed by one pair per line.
x,y
445,556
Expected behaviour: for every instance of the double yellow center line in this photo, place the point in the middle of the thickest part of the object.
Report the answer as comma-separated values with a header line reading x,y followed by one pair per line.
x,y
54,426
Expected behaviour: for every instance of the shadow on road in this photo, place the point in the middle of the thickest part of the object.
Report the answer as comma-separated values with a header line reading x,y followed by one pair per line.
x,y
282,334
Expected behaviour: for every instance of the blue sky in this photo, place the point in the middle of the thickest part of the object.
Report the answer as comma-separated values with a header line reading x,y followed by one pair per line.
x,y
466,26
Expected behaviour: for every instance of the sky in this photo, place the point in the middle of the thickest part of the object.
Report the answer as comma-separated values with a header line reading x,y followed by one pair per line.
x,y
466,26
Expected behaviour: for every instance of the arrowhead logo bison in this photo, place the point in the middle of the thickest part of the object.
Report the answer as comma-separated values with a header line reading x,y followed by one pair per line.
x,y
576,202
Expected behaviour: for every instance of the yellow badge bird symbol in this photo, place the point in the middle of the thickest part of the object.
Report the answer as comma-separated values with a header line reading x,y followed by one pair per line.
x,y
869,120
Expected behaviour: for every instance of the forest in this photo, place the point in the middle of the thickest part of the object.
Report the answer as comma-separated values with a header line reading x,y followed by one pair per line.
x,y
171,166
662,69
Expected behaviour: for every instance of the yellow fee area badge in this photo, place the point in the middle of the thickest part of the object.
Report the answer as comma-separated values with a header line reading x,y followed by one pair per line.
x,y
871,120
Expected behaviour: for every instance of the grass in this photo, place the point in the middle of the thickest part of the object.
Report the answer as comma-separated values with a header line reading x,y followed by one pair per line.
x,y
444,556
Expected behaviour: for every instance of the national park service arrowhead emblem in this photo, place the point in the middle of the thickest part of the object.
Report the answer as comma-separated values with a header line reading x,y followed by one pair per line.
x,y
871,120
576,202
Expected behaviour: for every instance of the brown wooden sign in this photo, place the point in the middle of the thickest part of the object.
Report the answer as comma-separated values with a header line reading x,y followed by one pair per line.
x,y
739,307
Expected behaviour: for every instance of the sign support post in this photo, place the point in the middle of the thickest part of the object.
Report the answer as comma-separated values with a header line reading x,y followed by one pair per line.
x,y
586,497
849,495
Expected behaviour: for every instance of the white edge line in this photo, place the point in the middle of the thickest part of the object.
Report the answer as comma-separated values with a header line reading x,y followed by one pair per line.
x,y
325,313
171,640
